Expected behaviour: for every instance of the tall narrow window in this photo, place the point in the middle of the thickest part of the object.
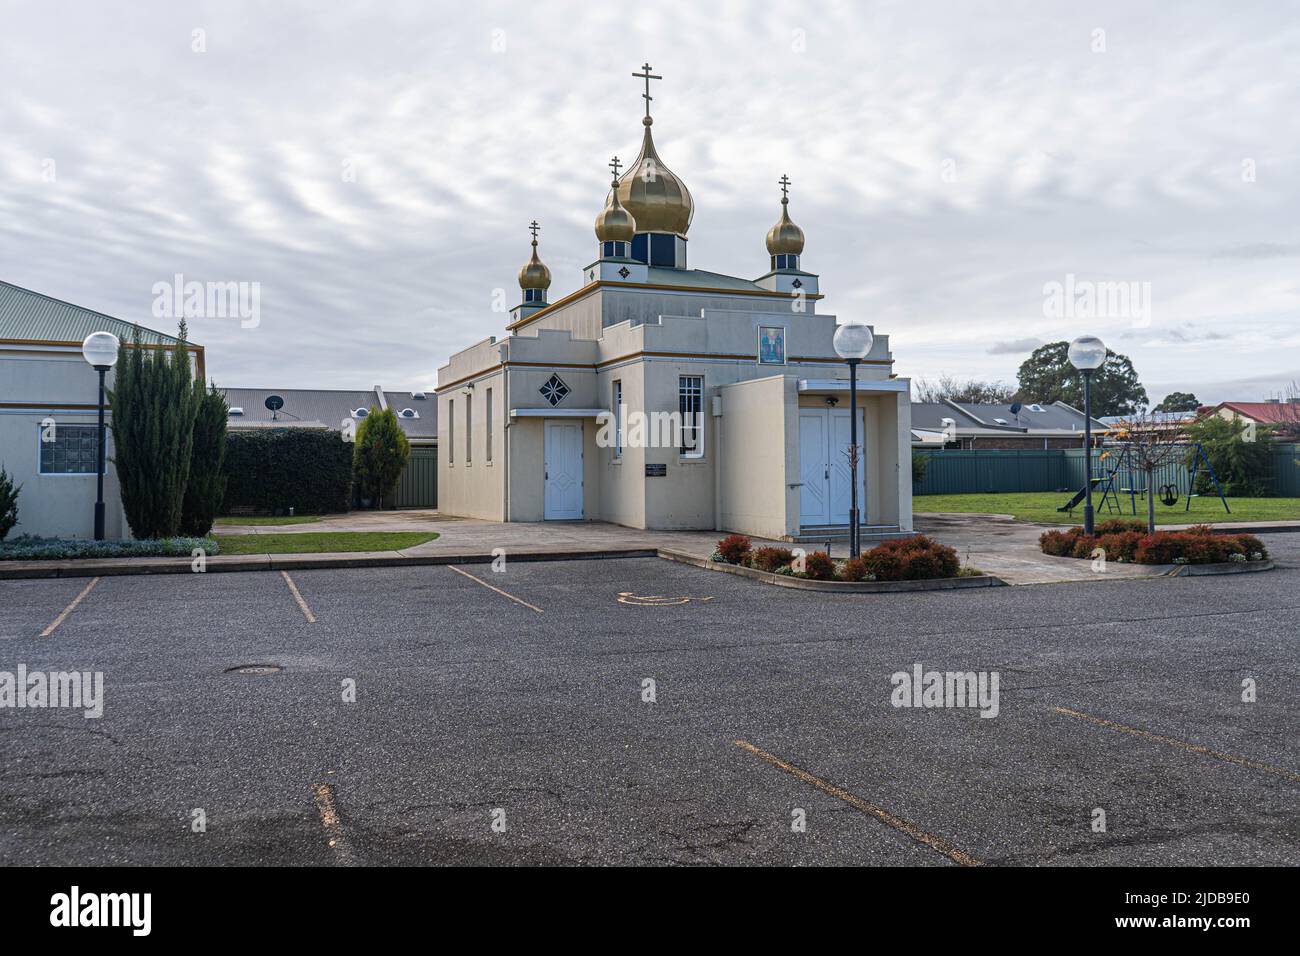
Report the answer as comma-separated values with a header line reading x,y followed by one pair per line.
x,y
469,429
488,453
451,431
618,419
690,402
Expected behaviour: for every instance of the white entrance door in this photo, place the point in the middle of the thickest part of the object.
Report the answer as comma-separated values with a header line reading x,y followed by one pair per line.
x,y
563,476
825,493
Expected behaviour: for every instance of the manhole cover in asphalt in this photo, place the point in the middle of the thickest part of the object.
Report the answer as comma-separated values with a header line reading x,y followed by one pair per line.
x,y
255,669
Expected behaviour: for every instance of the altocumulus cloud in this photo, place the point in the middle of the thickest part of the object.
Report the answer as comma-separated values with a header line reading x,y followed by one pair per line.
x,y
374,168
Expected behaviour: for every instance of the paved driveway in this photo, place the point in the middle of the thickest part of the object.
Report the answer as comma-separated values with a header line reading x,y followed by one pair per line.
x,y
520,699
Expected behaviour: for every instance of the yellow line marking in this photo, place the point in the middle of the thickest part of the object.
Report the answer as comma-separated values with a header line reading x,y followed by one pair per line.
x,y
498,590
1181,744
69,609
306,611
329,818
898,823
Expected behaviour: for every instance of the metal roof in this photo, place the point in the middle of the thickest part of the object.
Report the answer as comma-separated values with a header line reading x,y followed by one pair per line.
x,y
329,407
701,279
30,316
1057,418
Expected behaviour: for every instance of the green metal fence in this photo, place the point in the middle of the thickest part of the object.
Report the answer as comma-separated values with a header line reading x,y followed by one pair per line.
x,y
1286,471
991,471
418,486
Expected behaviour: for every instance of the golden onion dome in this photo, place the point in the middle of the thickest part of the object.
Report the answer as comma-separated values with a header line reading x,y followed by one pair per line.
x,y
657,200
534,274
785,238
615,224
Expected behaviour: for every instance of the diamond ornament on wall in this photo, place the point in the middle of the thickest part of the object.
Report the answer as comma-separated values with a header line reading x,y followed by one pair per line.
x,y
624,272
554,390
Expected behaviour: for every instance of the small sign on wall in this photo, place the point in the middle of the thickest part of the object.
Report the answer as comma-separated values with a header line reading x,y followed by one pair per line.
x,y
659,470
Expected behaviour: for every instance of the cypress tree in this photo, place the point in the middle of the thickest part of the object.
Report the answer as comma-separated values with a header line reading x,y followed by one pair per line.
x,y
380,455
207,483
153,403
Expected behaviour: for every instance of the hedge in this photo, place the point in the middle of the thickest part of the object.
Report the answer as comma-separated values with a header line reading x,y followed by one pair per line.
x,y
272,471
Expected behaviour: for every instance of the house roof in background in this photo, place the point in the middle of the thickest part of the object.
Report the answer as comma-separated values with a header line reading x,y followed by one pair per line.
x,y
1057,418
31,316
329,408
1268,413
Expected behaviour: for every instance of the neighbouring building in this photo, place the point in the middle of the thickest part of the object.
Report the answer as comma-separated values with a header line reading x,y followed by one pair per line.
x,y
961,425
339,409
49,434
661,396
1280,415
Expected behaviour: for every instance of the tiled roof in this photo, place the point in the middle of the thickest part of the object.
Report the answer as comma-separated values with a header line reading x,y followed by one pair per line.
x,y
1269,413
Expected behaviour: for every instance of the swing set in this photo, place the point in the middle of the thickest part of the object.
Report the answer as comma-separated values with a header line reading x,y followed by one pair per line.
x,y
1125,476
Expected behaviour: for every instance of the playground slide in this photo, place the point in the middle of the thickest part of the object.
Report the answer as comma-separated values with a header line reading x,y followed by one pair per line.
x,y
1079,496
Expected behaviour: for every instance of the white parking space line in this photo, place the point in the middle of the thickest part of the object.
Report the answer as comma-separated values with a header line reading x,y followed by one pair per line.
x,y
69,609
293,588
498,590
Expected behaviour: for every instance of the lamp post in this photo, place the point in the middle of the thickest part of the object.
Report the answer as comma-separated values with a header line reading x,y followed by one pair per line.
x,y
1087,354
100,352
853,341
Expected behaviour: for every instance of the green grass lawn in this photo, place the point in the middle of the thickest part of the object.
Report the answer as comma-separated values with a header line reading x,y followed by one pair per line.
x,y
259,520
1041,507
311,542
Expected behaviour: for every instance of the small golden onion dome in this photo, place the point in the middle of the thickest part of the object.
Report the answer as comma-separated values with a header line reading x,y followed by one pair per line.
x,y
785,238
534,274
657,200
615,224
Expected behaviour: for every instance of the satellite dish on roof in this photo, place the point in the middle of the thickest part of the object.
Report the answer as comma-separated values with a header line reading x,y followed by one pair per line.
x,y
273,404
1015,408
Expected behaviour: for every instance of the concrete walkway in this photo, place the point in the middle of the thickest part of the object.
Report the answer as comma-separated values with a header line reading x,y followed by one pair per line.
x,y
996,544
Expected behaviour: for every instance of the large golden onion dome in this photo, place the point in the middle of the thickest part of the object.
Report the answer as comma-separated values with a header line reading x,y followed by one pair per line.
x,y
652,193
615,224
534,274
785,238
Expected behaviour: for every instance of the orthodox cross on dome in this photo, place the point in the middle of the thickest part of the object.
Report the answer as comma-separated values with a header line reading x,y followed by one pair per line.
x,y
533,227
647,76
615,165
785,187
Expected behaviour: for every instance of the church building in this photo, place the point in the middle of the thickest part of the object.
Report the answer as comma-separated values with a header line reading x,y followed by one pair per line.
x,y
666,397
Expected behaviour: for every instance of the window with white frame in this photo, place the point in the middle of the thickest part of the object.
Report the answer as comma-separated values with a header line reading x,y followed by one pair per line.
x,y
690,403
71,450
488,421
618,419
451,431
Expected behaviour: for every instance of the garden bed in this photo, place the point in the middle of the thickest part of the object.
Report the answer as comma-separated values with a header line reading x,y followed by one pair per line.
x,y
57,549
1126,541
909,564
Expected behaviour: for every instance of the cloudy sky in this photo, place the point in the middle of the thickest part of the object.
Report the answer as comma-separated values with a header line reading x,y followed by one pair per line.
x,y
373,167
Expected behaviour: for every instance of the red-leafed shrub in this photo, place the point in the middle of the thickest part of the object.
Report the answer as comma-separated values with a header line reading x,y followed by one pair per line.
x,y
1059,543
1120,546
854,569
1084,545
820,567
1120,525
734,548
911,559
769,559
1251,545
1121,540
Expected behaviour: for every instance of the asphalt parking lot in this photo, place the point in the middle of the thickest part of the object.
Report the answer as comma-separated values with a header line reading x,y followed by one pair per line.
x,y
502,718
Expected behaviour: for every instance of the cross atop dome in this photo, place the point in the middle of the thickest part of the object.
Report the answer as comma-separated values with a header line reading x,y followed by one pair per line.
x,y
647,76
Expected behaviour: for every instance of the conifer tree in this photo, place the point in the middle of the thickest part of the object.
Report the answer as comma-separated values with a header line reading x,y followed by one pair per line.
x,y
380,455
153,404
207,482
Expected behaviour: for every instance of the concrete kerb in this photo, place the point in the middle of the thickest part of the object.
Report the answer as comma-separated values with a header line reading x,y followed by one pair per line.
x,y
219,563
